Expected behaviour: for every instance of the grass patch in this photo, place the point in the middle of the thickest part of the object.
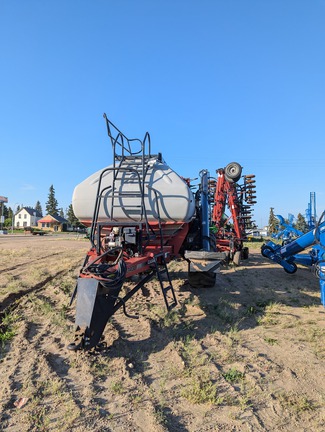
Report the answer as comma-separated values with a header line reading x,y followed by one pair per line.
x,y
270,341
234,336
234,376
67,286
39,416
6,335
13,285
296,402
270,316
49,397
190,351
201,391
225,310
163,318
171,318
160,415
101,368
44,306
117,387
7,328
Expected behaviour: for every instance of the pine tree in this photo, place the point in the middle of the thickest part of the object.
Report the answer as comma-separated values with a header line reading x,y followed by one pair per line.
x,y
73,220
61,212
273,222
38,208
10,213
301,223
5,211
52,203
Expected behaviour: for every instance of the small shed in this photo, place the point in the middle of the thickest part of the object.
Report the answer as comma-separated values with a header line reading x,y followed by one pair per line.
x,y
53,223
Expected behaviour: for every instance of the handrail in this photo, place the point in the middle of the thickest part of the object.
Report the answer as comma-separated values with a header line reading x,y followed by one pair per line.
x,y
158,213
122,150
126,147
99,196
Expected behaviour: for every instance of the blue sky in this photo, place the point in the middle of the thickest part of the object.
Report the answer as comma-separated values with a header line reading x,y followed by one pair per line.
x,y
213,82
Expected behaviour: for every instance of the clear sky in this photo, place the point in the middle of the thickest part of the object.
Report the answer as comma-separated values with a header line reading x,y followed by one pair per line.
x,y
213,81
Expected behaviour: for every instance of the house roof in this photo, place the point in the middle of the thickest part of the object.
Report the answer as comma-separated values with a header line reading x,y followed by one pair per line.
x,y
51,218
31,211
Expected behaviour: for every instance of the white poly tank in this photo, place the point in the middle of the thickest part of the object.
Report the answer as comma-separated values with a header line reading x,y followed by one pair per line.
x,y
162,187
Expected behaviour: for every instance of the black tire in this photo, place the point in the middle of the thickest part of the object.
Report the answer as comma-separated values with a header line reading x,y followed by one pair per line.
x,y
233,172
202,279
245,253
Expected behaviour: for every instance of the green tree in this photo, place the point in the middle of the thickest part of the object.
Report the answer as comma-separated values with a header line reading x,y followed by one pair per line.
x,y
52,204
10,213
61,213
38,207
273,222
7,222
9,218
5,212
301,223
73,220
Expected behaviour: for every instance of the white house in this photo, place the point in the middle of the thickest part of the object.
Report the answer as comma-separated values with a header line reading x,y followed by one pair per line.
x,y
27,217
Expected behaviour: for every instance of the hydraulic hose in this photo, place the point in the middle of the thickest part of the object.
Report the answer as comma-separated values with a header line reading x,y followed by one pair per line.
x,y
111,280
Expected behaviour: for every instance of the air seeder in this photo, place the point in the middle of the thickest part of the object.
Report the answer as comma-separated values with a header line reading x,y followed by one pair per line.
x,y
142,214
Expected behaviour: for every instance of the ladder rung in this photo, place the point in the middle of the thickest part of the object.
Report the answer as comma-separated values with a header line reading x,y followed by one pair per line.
x,y
162,271
127,206
129,193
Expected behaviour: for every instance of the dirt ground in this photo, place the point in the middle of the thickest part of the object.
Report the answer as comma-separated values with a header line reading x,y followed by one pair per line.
x,y
246,355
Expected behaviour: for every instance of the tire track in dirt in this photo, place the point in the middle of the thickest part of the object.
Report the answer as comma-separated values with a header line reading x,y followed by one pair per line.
x,y
10,302
30,376
143,357
132,405
79,376
27,264
28,372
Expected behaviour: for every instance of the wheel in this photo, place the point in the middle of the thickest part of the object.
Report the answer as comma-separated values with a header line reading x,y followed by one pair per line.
x,y
202,279
233,172
294,269
245,253
264,249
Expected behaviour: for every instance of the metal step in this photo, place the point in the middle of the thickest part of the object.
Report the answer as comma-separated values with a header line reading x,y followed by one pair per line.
x,y
170,300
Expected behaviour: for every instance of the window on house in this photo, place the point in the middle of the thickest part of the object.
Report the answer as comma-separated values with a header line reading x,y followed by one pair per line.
x,y
43,224
19,216
25,216
25,224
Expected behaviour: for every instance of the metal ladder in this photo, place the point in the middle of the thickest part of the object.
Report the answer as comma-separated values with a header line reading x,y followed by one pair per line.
x,y
166,286
129,174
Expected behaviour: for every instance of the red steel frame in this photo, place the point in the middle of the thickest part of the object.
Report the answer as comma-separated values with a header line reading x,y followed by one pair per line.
x,y
226,193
